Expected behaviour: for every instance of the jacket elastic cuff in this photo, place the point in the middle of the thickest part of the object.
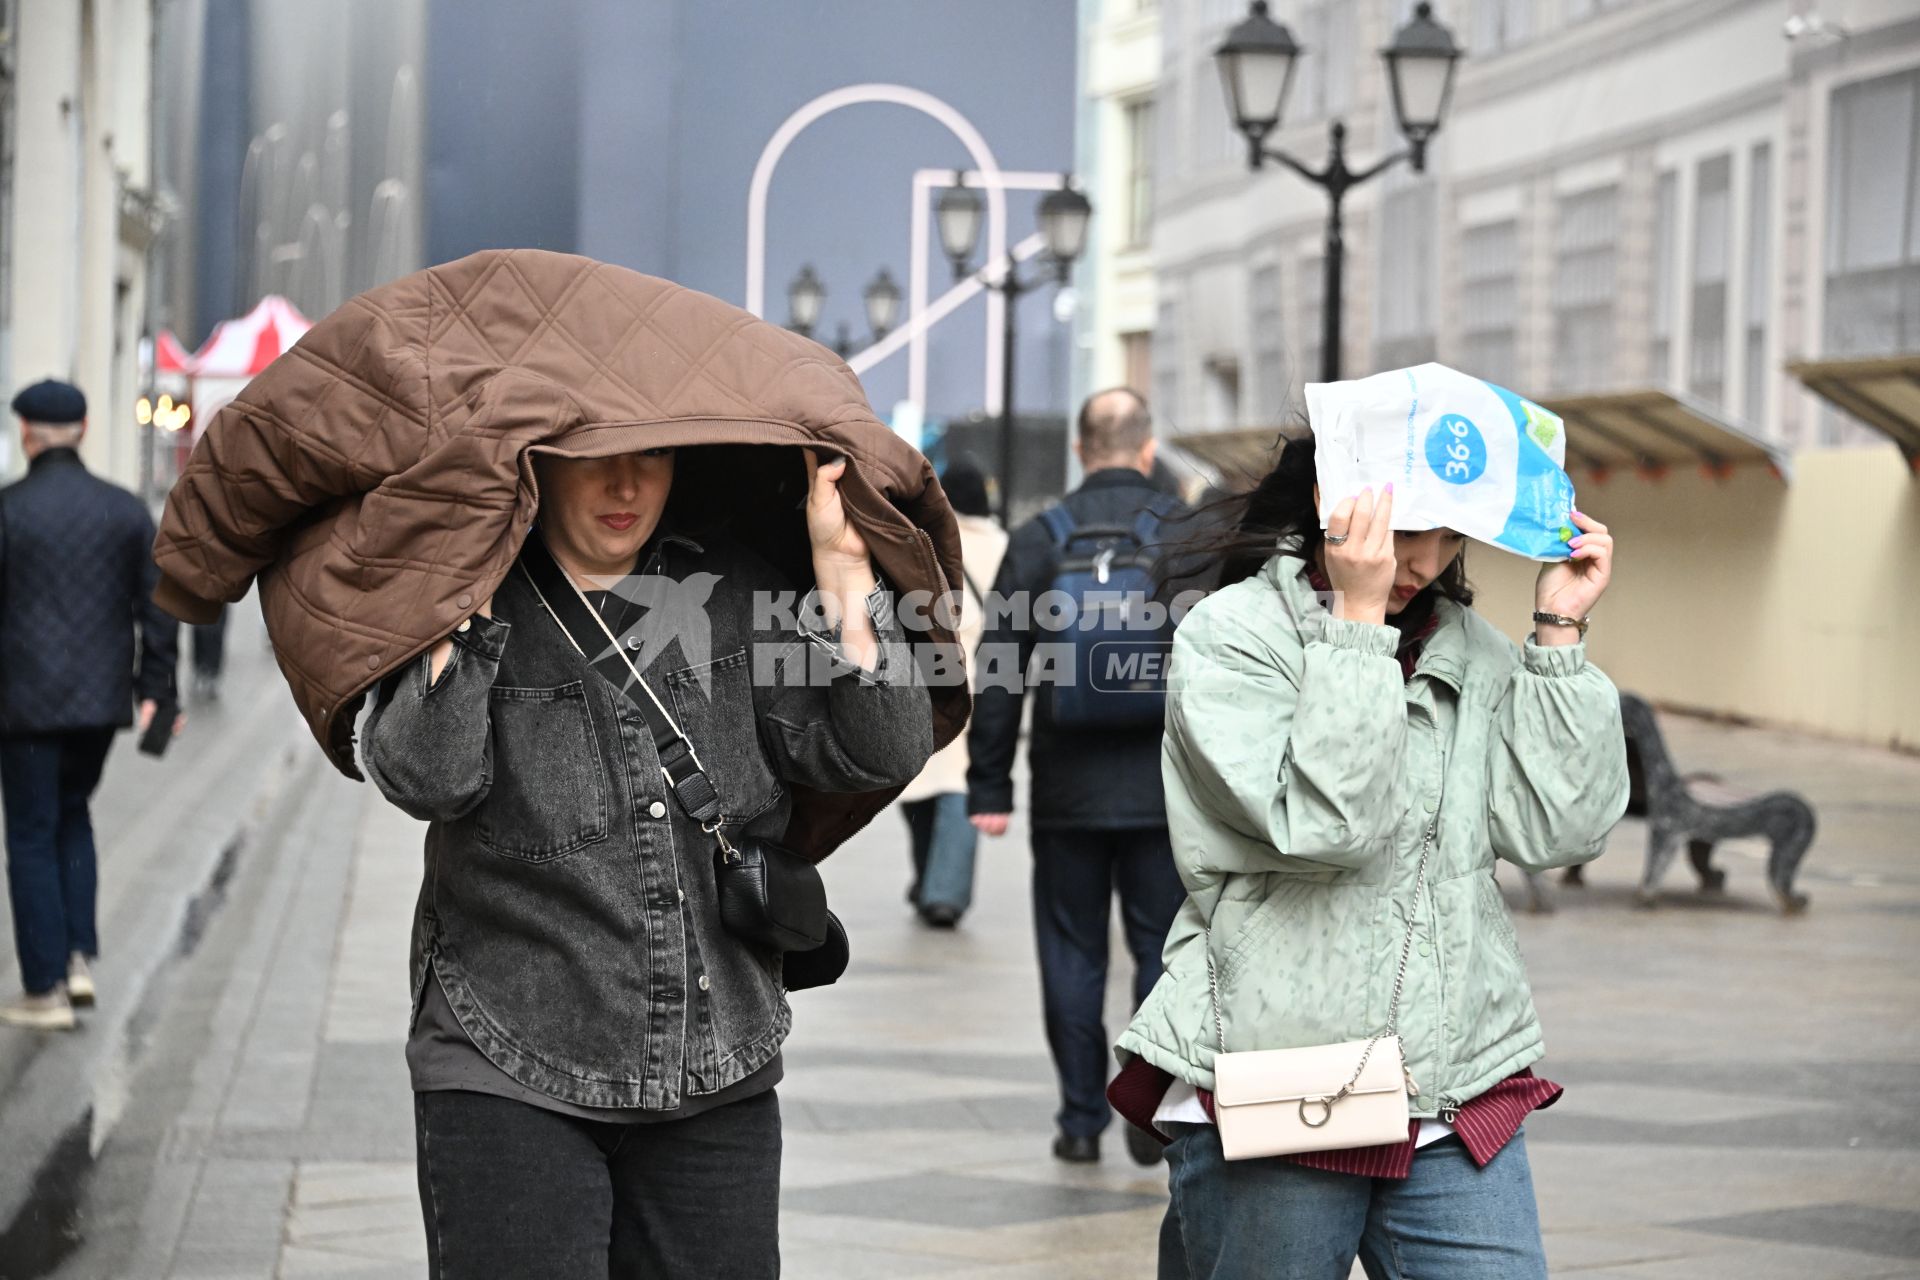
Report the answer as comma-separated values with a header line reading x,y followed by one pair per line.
x,y
1555,659
483,637
1361,637
184,604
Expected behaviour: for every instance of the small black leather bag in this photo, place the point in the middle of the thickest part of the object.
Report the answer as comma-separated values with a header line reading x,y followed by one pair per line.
x,y
770,896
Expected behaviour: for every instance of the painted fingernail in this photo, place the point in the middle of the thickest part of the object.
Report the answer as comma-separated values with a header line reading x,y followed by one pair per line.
x,y
1389,486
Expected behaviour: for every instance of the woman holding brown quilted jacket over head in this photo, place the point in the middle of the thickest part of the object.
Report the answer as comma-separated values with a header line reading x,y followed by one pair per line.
x,y
593,1053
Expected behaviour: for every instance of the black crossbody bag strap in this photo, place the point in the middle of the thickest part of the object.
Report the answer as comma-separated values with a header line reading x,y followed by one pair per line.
x,y
685,777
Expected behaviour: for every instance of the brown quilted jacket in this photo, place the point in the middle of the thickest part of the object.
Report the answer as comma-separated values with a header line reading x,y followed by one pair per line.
x,y
376,478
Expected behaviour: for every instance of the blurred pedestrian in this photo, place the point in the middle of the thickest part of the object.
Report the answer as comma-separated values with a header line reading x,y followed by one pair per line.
x,y
1097,823
80,642
1349,746
935,803
208,654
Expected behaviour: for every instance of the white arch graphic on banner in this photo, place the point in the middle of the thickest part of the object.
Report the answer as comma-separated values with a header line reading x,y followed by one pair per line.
x,y
983,160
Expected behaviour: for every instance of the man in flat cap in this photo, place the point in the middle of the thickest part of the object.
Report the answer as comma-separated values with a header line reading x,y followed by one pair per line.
x,y
76,584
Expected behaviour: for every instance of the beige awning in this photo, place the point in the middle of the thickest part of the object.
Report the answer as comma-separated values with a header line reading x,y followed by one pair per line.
x,y
1883,392
1240,457
1652,432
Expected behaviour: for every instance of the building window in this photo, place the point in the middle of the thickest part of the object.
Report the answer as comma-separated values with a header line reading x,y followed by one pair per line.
x,y
1873,218
1140,136
1310,288
1404,331
1271,380
1759,264
1580,10
1501,24
1166,368
1490,300
1583,280
1136,361
1666,211
1323,77
1712,229
1223,394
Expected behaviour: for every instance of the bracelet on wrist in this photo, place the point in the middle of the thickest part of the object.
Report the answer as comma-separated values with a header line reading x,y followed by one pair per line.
x,y
1561,620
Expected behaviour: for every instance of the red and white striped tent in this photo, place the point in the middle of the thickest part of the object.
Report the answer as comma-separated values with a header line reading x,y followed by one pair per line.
x,y
233,354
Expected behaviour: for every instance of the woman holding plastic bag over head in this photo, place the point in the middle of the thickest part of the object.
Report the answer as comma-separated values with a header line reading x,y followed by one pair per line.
x,y
1339,1053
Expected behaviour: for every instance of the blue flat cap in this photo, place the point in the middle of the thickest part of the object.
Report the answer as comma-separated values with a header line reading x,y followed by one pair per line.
x,y
54,403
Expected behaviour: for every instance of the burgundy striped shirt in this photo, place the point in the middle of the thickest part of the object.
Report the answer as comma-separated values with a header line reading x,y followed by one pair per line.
x,y
1483,1125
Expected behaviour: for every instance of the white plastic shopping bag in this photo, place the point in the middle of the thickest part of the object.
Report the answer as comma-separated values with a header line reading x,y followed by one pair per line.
x,y
1460,453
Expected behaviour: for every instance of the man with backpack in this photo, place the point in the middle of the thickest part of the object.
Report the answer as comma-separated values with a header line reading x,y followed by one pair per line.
x,y
1069,617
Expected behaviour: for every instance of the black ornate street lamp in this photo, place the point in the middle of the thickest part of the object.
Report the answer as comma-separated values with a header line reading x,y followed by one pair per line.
x,y
1064,214
804,297
807,294
1256,64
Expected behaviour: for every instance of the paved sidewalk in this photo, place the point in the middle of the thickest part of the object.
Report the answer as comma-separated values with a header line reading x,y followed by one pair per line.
x,y
1744,1090
168,831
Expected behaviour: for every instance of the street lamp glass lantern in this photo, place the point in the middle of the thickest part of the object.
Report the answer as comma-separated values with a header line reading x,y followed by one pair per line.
x,y
1420,66
804,297
958,212
883,304
1063,223
1256,63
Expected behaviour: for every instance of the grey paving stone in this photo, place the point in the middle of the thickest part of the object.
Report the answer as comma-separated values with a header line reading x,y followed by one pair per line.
x,y
952,1200
1863,1228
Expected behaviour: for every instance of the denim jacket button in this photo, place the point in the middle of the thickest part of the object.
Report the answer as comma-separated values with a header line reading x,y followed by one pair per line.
x,y
704,984
656,810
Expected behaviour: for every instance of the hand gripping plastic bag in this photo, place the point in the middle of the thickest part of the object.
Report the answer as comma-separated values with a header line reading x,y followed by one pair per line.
x,y
1460,453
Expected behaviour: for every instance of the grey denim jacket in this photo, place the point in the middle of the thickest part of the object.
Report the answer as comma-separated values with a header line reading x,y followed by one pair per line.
x,y
569,904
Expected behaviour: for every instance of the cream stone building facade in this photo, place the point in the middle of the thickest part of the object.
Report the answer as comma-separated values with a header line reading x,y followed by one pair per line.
x,y
78,213
1632,202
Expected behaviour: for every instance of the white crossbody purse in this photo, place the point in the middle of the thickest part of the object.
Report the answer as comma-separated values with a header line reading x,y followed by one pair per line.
x,y
1327,1097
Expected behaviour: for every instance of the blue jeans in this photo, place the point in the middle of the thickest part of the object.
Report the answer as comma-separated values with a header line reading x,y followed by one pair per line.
x,y
46,782
943,848
1075,876
1279,1221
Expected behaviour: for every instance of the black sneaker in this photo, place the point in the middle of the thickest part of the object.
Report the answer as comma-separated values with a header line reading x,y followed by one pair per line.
x,y
1144,1147
1076,1150
940,916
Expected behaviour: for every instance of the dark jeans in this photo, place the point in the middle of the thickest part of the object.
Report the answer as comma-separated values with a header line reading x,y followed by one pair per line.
x,y
46,780
1075,874
210,646
513,1192
943,850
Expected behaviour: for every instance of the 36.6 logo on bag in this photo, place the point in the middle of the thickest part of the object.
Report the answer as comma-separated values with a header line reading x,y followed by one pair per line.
x,y
1455,449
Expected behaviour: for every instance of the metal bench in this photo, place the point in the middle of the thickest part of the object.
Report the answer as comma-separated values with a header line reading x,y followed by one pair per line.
x,y
1702,811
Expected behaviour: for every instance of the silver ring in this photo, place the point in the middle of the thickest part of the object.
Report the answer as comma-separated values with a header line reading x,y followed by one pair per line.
x,y
1335,539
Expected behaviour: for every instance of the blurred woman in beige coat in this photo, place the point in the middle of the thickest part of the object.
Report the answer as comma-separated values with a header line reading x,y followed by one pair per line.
x,y
935,803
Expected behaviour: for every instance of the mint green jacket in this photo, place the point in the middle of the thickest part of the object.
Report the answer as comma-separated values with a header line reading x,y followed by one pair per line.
x,y
1302,773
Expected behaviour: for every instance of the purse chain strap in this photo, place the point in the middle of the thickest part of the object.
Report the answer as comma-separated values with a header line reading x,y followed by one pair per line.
x,y
1399,977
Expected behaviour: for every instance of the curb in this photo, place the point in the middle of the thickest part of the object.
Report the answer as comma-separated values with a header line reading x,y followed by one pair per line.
x,y
52,1130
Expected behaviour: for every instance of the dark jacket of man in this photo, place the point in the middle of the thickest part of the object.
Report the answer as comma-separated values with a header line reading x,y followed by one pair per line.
x,y
76,580
1105,780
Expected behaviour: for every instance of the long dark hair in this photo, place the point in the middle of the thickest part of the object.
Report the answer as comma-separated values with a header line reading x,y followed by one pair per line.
x,y
1237,534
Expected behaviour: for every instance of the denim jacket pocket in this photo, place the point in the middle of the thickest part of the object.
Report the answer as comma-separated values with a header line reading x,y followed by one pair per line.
x,y
713,701
549,792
